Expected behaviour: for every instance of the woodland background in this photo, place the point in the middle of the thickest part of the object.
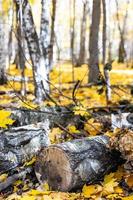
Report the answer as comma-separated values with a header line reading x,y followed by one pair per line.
x,y
66,69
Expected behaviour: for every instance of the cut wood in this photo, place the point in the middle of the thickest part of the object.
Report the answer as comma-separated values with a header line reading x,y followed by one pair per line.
x,y
20,144
25,116
70,165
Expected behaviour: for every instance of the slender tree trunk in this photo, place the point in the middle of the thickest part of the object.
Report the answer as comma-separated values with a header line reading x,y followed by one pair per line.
x,y
72,36
104,36
81,59
39,63
121,50
93,42
3,78
52,38
45,32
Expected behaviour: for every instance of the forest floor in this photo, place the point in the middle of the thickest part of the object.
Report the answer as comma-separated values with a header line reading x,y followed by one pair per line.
x,y
64,92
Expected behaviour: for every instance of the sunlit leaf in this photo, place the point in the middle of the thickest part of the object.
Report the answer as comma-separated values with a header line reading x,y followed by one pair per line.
x,y
90,190
72,129
4,118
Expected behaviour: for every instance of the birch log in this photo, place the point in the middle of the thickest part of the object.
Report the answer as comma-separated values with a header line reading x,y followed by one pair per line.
x,y
18,145
71,164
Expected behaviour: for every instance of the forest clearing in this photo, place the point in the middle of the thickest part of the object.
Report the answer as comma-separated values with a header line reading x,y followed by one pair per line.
x,y
66,100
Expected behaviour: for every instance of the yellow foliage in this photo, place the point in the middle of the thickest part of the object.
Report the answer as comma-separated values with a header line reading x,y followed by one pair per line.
x,y
30,162
90,190
72,129
128,198
36,192
4,118
92,127
28,105
27,197
55,134
3,177
129,180
6,4
79,110
109,184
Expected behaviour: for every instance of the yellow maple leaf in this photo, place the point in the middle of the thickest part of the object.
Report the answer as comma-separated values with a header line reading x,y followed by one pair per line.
x,y
72,129
79,110
128,198
36,192
4,118
109,184
92,127
46,187
90,190
27,197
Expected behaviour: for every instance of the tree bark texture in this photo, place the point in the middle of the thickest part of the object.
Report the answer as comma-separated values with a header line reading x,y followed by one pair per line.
x,y
52,37
71,164
18,145
38,62
54,114
3,78
81,59
104,36
93,42
45,31
122,50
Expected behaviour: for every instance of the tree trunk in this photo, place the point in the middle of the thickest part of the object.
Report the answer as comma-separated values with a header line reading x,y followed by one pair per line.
x,y
3,78
93,42
18,145
39,64
45,32
52,37
71,164
81,59
104,36
121,50
72,36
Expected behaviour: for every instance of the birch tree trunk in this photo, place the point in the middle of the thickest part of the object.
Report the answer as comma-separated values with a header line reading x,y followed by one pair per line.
x,y
45,32
72,34
39,63
52,37
93,42
2,48
72,164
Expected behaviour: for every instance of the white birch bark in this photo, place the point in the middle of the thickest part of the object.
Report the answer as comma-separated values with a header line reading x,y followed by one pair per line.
x,y
45,32
39,63
2,48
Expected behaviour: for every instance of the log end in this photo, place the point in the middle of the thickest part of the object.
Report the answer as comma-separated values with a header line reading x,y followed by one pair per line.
x,y
53,166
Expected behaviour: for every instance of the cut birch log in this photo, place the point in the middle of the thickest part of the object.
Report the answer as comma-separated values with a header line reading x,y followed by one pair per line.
x,y
70,165
20,144
59,115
